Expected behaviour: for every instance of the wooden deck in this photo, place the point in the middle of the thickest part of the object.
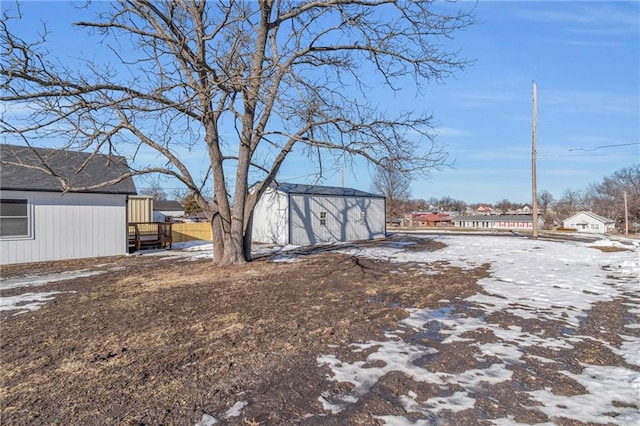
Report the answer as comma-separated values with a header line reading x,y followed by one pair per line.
x,y
147,235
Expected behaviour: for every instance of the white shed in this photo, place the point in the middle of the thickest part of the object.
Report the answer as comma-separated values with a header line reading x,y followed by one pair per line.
x,y
306,215
40,222
589,222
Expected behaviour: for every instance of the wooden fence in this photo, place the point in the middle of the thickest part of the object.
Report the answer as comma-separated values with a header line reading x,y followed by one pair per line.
x,y
182,232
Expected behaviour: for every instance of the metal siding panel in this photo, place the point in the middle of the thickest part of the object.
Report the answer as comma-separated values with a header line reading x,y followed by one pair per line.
x,y
343,219
140,209
70,226
298,225
44,226
49,243
270,224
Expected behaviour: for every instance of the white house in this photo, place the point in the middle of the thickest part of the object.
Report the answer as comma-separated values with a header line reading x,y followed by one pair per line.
x,y
305,215
40,222
589,222
512,222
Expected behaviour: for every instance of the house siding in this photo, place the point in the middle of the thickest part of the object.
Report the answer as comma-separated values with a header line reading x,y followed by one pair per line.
x,y
347,218
589,223
68,226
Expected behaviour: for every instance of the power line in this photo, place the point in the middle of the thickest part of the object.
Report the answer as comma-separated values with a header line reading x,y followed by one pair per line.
x,y
604,146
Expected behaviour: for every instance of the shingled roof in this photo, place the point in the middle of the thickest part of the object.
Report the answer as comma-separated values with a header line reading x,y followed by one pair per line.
x,y
292,188
17,172
167,206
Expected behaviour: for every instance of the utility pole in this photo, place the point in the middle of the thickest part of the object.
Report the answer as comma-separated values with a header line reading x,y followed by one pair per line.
x,y
626,215
534,152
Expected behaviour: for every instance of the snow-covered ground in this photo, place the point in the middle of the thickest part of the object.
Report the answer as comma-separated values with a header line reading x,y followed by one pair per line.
x,y
532,279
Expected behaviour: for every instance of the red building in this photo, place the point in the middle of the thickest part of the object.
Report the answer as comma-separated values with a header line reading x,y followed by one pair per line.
x,y
430,219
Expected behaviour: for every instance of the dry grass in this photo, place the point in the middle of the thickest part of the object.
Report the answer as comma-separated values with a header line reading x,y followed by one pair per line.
x,y
162,342
182,336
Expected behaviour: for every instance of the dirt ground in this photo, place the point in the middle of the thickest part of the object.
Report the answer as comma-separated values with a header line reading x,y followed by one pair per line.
x,y
158,341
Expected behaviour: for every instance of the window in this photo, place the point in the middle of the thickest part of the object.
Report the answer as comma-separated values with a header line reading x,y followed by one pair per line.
x,y
323,218
14,218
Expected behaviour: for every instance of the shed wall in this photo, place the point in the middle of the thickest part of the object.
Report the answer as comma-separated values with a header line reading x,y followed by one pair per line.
x,y
346,218
270,219
68,226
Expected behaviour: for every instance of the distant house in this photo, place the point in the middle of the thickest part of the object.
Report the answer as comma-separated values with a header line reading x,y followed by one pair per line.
x,y
430,219
484,210
167,210
589,222
306,215
512,222
40,222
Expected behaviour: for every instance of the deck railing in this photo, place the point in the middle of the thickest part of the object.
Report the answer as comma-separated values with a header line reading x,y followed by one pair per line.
x,y
149,235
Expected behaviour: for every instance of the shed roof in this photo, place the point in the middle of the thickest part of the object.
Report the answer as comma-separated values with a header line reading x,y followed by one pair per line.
x,y
292,188
19,170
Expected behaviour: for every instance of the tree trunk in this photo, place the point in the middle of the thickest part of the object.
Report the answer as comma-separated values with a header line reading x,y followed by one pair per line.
x,y
233,249
227,247
247,237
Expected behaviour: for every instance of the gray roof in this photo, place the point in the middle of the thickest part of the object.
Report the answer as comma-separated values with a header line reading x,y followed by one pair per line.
x,y
99,169
167,206
292,188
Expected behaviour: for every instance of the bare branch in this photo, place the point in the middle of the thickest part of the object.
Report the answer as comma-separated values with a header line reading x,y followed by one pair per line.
x,y
241,81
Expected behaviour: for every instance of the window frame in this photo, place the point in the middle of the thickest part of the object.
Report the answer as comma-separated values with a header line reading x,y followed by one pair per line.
x,y
28,218
323,218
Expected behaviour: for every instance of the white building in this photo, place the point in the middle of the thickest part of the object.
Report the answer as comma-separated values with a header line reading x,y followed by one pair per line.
x,y
589,222
305,215
40,222
511,222
167,210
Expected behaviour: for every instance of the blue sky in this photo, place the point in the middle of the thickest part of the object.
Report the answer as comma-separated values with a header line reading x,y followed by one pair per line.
x,y
584,57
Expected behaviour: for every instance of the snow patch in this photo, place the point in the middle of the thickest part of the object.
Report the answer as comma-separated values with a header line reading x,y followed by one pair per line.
x,y
207,420
27,302
236,410
40,280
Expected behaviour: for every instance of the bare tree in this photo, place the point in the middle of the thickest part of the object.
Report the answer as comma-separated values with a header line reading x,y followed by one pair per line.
x,y
247,82
607,197
155,190
545,200
447,203
395,186
506,205
569,203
